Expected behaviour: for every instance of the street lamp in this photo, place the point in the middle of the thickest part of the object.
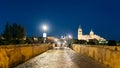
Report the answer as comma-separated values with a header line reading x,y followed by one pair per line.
x,y
69,36
44,27
69,40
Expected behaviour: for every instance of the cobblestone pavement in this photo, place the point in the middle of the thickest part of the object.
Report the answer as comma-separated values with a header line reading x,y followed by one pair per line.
x,y
61,58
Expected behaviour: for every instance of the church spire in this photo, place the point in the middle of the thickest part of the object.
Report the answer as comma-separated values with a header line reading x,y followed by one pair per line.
x,y
91,32
79,26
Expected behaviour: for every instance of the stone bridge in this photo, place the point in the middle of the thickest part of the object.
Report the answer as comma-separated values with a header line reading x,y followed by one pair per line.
x,y
61,58
42,56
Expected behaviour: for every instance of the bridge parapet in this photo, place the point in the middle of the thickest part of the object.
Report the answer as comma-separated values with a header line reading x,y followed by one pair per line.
x,y
13,55
108,55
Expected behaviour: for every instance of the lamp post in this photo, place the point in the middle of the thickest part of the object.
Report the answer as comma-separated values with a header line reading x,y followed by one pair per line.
x,y
44,33
69,40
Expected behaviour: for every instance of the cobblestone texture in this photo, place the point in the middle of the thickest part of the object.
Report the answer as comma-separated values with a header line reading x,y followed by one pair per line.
x,y
61,58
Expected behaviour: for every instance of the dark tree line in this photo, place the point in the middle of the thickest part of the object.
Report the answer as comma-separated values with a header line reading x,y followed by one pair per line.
x,y
14,34
112,43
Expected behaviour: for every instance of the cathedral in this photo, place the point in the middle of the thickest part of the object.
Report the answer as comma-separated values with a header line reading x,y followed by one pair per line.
x,y
88,37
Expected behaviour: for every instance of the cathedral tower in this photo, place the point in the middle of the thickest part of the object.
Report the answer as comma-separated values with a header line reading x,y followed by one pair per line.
x,y
79,33
91,33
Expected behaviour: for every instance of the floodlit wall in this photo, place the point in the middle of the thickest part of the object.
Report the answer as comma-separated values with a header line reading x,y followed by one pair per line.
x,y
13,55
108,55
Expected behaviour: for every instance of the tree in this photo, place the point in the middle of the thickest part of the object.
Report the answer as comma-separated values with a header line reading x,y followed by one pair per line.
x,y
82,41
15,31
118,43
7,33
18,33
112,43
14,34
22,32
74,41
93,42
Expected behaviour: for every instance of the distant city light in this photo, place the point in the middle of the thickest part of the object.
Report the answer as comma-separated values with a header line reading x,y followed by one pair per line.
x,y
58,43
56,40
65,41
44,35
70,36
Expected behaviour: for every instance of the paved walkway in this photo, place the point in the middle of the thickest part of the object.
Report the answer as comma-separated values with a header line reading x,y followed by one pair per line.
x,y
60,58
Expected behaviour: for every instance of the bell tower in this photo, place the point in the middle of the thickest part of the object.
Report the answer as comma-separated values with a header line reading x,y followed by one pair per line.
x,y
91,33
79,33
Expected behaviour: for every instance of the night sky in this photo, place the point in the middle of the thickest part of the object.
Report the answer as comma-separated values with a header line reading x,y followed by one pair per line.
x,y
63,17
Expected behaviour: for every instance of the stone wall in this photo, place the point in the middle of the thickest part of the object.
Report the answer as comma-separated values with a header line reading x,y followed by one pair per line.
x,y
108,55
13,55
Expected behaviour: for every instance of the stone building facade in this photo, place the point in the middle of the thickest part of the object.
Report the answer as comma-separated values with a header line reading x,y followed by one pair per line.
x,y
88,37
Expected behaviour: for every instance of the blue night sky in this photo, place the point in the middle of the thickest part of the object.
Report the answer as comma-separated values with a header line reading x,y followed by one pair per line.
x,y
63,16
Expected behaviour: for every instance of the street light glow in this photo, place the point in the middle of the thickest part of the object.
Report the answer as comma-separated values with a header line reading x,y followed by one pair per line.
x,y
56,40
44,27
65,41
70,36
58,43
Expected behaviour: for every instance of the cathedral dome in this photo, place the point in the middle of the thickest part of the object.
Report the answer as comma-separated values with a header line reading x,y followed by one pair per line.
x,y
91,32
